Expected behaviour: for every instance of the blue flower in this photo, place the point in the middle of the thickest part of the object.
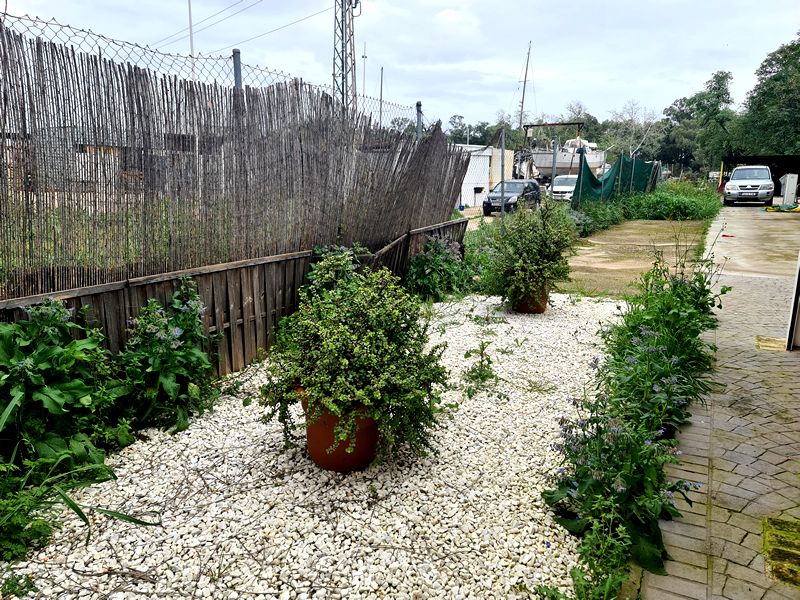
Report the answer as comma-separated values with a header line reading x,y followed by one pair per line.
x,y
656,388
648,442
630,360
176,331
547,544
594,363
660,432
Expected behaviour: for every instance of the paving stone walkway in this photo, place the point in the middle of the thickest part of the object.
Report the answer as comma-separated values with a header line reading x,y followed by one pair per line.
x,y
744,447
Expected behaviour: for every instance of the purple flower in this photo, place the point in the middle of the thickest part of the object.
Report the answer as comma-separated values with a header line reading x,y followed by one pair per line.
x,y
630,360
656,388
648,442
660,432
547,544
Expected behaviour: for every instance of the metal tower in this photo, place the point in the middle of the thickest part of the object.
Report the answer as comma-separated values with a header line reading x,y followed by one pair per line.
x,y
344,54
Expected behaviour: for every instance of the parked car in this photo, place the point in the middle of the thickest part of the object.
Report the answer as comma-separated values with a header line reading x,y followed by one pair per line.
x,y
751,183
563,187
526,190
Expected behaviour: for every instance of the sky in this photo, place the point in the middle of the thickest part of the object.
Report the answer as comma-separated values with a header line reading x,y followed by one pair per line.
x,y
467,57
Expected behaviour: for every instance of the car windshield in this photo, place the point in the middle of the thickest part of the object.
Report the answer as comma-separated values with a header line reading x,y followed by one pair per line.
x,y
566,180
750,174
512,187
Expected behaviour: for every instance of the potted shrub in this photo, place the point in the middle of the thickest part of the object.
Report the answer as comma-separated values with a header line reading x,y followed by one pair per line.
x,y
355,355
530,255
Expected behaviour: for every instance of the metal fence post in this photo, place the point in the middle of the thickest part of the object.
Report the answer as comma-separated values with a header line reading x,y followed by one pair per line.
x,y
419,119
237,69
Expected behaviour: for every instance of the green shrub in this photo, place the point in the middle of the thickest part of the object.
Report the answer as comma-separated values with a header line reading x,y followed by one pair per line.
x,y
438,271
167,373
52,388
478,253
530,252
357,346
656,366
673,201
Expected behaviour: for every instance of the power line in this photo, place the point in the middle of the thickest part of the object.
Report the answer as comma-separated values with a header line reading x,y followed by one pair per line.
x,y
215,22
272,30
198,23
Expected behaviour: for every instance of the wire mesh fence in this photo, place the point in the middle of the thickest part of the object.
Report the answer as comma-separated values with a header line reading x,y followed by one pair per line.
x,y
217,70
117,161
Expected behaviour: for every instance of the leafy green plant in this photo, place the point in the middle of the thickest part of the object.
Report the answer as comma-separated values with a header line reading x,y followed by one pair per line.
x,y
17,586
530,253
53,387
438,271
356,346
656,367
480,374
167,373
478,253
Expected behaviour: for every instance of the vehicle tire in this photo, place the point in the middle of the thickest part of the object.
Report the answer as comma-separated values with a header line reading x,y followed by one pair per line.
x,y
487,212
727,202
768,202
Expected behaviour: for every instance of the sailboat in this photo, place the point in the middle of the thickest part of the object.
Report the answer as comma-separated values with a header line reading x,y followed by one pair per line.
x,y
567,157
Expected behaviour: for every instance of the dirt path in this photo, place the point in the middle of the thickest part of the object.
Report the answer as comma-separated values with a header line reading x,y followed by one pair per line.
x,y
610,262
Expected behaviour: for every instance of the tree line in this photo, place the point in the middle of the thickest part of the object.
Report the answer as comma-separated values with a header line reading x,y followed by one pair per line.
x,y
693,133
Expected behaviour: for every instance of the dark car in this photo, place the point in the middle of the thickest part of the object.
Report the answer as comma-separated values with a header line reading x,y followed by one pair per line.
x,y
526,190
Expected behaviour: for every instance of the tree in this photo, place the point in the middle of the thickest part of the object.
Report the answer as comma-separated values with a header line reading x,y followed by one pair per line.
x,y
634,129
403,125
771,124
457,130
699,131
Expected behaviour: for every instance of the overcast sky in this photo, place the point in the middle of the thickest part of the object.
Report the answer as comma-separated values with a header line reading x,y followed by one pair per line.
x,y
467,57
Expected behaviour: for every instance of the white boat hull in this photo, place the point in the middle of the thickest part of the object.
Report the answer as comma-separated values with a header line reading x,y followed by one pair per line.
x,y
567,163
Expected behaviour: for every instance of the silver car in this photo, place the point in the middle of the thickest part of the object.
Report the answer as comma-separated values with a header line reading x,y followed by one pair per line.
x,y
752,183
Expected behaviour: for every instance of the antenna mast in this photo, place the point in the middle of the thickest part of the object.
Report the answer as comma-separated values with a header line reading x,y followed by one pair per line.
x,y
344,55
524,85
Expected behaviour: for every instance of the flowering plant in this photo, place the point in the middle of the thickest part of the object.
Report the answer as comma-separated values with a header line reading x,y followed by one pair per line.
x,y
167,372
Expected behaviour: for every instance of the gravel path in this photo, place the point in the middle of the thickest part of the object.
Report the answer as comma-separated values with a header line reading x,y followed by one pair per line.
x,y
242,519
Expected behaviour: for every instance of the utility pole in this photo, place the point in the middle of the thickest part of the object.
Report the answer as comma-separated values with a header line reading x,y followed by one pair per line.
x,y
524,85
419,120
344,55
502,172
364,72
380,103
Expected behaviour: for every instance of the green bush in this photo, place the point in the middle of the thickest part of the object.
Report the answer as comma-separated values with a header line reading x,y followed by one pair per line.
x,y
60,405
357,347
438,271
52,388
478,253
529,252
656,366
167,373
673,201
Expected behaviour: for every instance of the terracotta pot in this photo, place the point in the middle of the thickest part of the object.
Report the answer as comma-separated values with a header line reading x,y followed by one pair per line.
x,y
320,437
532,304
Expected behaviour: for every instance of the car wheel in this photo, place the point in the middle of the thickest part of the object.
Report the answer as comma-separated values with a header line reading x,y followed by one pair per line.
x,y
768,202
487,212
727,202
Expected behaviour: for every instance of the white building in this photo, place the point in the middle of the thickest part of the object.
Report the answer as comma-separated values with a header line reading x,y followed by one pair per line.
x,y
483,172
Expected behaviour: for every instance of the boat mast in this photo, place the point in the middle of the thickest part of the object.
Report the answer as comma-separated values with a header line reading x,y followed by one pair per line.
x,y
524,85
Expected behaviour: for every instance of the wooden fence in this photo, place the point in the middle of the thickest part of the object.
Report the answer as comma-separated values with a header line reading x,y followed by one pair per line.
x,y
245,300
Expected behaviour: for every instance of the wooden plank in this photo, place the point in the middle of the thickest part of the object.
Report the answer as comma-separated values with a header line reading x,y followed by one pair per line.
x,y
248,313
62,295
216,268
109,304
259,307
220,306
270,295
234,283
205,290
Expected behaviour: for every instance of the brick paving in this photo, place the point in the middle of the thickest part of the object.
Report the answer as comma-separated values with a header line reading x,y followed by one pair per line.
x,y
743,446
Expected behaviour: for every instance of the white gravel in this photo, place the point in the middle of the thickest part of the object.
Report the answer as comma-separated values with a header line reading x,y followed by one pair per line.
x,y
242,519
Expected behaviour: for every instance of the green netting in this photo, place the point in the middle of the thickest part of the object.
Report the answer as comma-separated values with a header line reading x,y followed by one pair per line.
x,y
625,176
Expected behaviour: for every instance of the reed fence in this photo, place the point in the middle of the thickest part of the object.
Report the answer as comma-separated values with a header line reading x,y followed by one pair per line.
x,y
111,171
